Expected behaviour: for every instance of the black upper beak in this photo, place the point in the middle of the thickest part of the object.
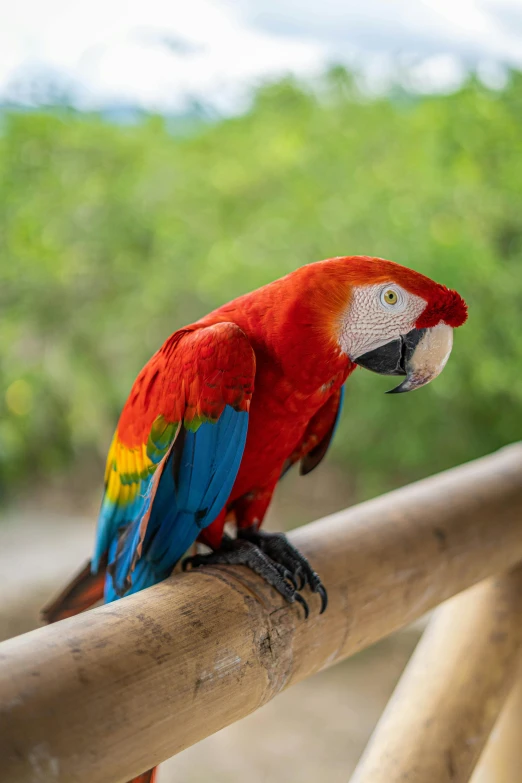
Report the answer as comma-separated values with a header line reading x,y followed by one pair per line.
x,y
421,355
394,357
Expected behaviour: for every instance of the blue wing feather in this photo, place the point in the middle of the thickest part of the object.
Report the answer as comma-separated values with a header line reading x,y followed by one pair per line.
x,y
195,483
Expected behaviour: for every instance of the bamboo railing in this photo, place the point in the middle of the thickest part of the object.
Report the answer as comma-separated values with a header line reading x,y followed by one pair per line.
x,y
501,761
103,696
452,691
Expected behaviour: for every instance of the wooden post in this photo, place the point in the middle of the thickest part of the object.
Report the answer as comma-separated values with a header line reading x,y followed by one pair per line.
x,y
452,690
101,697
501,761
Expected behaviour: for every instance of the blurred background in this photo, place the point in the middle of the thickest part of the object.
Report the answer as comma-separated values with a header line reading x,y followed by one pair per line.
x,y
158,159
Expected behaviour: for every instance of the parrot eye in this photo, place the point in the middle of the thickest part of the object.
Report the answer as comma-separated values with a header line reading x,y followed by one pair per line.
x,y
390,297
393,298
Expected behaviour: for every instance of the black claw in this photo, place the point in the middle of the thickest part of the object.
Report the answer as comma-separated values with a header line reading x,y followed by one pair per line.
x,y
324,597
271,556
300,600
286,574
289,575
241,552
194,561
277,547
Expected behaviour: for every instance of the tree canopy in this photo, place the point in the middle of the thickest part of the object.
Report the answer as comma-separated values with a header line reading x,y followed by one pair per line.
x,y
111,237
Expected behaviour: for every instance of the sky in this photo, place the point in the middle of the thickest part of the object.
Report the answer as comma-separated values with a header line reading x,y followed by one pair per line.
x,y
158,54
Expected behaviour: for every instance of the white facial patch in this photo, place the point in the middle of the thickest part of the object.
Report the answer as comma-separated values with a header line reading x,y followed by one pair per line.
x,y
371,321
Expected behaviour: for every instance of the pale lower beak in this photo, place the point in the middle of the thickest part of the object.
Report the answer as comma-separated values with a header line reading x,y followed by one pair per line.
x,y
420,355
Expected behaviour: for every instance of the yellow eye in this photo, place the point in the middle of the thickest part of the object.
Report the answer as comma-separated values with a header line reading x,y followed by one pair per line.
x,y
390,297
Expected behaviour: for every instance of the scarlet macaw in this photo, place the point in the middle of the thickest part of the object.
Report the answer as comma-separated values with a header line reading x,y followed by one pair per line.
x,y
230,402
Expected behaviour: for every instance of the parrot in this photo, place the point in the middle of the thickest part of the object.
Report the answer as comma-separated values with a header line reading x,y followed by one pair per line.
x,y
230,403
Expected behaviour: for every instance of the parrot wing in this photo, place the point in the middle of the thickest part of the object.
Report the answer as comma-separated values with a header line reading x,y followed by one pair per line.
x,y
318,435
175,454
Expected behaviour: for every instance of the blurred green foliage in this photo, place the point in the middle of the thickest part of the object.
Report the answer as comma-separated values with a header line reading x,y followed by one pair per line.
x,y
112,237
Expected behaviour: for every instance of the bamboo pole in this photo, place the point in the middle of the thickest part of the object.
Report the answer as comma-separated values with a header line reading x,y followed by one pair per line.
x,y
452,690
501,761
101,697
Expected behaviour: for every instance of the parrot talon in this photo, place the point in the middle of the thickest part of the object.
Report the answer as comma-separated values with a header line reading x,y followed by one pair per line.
x,y
286,574
278,548
324,597
300,600
243,552
292,580
302,578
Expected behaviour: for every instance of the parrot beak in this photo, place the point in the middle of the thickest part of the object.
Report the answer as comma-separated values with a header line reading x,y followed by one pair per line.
x,y
421,355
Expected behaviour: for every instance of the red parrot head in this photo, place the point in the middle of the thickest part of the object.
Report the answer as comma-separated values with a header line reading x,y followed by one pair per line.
x,y
397,321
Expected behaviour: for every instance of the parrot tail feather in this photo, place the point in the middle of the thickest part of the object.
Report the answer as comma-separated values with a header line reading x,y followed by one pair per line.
x,y
147,777
81,593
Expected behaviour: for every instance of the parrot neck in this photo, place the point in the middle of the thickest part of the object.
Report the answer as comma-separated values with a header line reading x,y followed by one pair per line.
x,y
297,321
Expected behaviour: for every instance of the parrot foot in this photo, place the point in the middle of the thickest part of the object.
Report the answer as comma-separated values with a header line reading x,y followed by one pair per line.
x,y
236,551
280,550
